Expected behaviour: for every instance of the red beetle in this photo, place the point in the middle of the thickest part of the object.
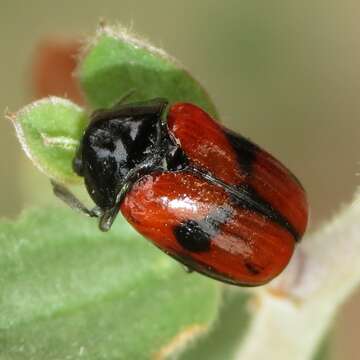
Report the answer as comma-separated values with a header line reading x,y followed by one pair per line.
x,y
203,194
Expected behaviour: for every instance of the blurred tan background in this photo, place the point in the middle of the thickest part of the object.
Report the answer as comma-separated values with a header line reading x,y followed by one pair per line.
x,y
284,73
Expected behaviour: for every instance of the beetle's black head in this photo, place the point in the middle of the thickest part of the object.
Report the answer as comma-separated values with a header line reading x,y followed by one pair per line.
x,y
117,143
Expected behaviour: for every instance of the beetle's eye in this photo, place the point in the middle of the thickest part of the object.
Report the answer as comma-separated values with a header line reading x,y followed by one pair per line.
x,y
78,166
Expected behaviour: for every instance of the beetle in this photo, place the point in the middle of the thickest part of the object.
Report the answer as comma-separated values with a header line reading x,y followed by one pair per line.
x,y
206,196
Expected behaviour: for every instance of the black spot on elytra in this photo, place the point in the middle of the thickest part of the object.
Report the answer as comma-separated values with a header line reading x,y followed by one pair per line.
x,y
191,236
245,151
196,236
252,268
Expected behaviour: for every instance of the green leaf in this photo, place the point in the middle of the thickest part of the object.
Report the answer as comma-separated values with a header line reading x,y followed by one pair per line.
x,y
224,339
117,62
69,291
49,131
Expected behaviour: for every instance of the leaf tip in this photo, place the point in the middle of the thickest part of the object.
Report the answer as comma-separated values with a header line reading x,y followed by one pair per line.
x,y
14,118
25,128
9,115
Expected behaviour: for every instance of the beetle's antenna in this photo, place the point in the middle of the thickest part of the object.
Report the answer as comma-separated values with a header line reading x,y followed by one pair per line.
x,y
123,98
98,113
72,201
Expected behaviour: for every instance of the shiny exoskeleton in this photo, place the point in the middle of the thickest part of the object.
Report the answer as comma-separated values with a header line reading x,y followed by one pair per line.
x,y
203,194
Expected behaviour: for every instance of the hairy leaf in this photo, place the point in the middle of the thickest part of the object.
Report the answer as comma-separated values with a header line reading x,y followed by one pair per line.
x,y
117,62
49,131
68,290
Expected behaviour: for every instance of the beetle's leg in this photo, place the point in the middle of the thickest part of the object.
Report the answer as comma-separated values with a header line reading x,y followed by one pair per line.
x,y
187,269
72,201
108,216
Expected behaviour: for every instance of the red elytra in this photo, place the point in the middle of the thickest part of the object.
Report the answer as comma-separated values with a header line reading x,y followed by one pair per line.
x,y
234,214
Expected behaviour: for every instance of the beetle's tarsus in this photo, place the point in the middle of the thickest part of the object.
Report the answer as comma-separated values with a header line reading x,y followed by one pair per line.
x,y
107,218
187,269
